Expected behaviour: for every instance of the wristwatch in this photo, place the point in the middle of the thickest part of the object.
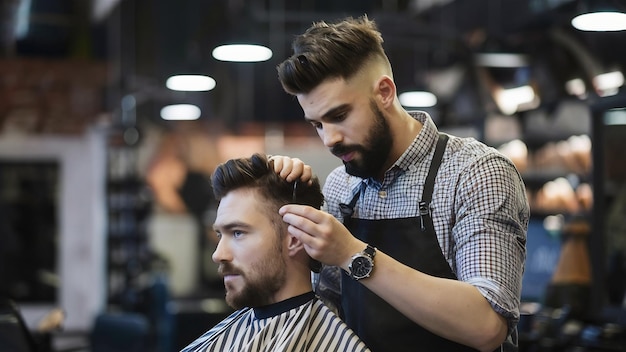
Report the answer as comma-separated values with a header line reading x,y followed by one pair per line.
x,y
362,263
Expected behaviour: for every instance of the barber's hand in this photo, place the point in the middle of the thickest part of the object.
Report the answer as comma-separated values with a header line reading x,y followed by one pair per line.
x,y
291,169
325,238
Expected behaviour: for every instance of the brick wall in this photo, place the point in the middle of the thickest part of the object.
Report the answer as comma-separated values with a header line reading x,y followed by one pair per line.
x,y
39,96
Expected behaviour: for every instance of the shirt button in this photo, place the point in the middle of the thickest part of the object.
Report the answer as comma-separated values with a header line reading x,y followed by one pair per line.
x,y
412,168
382,194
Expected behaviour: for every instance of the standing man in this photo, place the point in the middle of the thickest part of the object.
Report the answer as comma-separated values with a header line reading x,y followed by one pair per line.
x,y
267,272
429,229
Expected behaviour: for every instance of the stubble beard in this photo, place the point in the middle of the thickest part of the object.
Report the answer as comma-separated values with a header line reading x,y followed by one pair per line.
x,y
261,282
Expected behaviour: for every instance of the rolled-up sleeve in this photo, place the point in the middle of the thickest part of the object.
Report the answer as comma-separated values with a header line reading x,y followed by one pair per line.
x,y
490,232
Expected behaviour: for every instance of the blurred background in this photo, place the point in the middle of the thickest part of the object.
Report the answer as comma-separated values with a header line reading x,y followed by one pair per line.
x,y
105,209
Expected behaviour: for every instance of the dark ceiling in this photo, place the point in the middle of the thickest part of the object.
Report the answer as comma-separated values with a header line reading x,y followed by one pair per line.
x,y
145,41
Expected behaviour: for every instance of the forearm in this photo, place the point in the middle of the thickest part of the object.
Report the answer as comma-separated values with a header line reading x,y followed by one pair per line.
x,y
449,308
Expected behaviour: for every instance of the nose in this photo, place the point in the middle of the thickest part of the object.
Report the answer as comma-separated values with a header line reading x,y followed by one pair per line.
x,y
330,135
222,252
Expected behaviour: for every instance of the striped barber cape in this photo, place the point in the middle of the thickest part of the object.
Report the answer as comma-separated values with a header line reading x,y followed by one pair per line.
x,y
299,324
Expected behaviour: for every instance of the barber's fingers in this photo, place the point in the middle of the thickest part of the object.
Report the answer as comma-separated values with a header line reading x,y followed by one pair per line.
x,y
312,245
300,214
310,225
291,169
324,237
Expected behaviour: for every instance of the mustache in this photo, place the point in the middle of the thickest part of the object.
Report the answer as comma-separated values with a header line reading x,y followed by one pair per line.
x,y
340,149
227,269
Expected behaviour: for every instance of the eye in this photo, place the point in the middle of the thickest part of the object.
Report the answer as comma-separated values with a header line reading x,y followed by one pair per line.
x,y
316,125
237,234
339,117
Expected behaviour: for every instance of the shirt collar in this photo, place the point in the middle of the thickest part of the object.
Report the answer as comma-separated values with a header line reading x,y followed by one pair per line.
x,y
421,145
277,308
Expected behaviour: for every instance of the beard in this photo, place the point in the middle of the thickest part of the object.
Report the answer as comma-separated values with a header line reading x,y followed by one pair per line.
x,y
375,151
261,282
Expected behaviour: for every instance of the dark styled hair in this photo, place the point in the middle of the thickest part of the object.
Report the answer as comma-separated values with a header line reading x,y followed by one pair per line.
x,y
330,50
258,173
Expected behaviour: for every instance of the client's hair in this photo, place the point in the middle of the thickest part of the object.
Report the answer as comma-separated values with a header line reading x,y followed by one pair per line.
x,y
258,173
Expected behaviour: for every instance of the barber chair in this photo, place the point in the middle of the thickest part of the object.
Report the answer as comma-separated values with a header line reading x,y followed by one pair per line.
x,y
14,334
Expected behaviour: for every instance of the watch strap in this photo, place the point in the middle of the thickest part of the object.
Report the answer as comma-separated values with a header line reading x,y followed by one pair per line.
x,y
370,251
356,266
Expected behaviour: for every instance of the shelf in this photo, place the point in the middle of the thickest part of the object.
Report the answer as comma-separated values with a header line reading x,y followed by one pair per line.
x,y
129,204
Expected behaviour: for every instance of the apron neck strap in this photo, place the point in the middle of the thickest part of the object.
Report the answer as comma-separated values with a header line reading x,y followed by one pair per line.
x,y
348,209
429,184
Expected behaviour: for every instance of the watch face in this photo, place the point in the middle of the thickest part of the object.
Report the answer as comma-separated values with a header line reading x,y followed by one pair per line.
x,y
361,267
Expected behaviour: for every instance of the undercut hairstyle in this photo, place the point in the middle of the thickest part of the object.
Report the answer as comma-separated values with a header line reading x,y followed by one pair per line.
x,y
257,172
330,50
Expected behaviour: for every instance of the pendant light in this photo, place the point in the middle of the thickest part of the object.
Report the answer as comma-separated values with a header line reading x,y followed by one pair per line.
x,y
599,16
180,112
190,83
243,42
242,53
415,92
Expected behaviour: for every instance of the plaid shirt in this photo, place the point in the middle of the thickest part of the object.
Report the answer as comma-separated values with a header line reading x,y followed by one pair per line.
x,y
479,210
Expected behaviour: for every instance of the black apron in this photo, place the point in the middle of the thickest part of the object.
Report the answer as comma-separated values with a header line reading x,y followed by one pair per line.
x,y
378,324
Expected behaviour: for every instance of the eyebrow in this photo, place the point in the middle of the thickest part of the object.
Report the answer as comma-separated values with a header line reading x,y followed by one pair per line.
x,y
331,112
230,226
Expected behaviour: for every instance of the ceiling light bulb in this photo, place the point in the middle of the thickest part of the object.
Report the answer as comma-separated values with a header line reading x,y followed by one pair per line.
x,y
242,53
180,112
190,83
418,99
600,21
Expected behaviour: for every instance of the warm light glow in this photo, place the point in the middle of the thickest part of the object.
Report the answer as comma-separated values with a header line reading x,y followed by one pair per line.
x,y
180,112
418,99
553,223
190,83
502,60
509,100
600,21
608,83
242,53
576,87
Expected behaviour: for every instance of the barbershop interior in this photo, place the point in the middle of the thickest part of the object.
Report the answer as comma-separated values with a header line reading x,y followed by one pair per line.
x,y
114,114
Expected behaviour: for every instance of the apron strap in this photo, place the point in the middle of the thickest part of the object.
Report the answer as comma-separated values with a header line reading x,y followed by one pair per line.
x,y
429,184
424,205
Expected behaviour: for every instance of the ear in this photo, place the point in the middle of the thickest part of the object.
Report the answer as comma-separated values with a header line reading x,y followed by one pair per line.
x,y
294,246
385,90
